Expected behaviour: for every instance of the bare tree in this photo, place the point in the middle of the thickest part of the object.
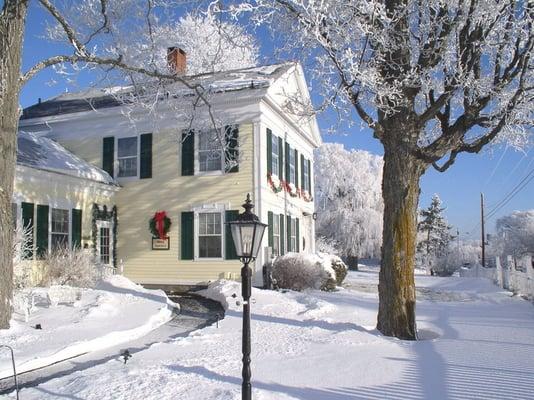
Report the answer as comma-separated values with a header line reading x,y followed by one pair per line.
x,y
432,79
99,35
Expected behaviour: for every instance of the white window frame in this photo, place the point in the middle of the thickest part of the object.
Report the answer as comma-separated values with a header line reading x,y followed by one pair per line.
x,y
306,182
293,238
197,157
116,159
275,165
292,166
276,235
109,225
212,208
50,232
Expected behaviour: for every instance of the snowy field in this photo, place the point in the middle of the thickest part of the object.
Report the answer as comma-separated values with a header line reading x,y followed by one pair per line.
x,y
323,346
115,312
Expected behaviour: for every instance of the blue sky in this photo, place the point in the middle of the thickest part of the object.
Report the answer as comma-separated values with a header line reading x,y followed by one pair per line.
x,y
494,172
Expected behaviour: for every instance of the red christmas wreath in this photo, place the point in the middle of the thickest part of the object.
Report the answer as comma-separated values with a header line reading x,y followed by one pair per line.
x,y
160,225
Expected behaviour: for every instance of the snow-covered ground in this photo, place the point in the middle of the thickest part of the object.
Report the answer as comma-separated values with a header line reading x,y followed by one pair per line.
x,y
323,346
116,311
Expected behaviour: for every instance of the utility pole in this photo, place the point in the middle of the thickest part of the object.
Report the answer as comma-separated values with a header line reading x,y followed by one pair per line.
x,y
482,225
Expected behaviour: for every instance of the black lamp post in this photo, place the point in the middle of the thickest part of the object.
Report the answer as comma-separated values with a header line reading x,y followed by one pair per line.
x,y
247,232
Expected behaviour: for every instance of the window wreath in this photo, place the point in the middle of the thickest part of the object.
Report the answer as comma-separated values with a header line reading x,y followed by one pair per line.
x,y
160,225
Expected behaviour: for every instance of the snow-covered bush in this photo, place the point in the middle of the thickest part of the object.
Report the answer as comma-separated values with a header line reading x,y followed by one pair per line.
x,y
21,247
337,264
73,267
326,245
298,271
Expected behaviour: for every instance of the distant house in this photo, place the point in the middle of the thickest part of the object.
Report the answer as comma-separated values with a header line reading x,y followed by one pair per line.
x,y
162,165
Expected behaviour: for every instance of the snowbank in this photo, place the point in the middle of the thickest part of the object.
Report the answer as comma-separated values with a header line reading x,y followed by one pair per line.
x,y
317,345
115,312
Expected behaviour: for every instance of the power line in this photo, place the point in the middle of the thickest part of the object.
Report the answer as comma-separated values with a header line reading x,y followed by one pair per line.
x,y
506,199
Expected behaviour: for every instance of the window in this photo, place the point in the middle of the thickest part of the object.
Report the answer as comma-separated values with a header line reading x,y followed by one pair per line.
x,y
14,215
306,175
210,235
59,229
293,234
292,166
276,235
210,156
275,156
104,245
127,156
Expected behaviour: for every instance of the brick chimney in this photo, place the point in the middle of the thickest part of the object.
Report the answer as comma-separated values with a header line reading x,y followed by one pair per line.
x,y
176,60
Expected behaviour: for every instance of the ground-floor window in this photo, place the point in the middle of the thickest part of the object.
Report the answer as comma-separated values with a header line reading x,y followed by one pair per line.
x,y
59,228
293,234
210,235
104,242
276,235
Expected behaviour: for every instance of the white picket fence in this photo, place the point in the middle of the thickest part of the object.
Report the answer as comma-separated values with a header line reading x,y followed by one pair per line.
x,y
515,275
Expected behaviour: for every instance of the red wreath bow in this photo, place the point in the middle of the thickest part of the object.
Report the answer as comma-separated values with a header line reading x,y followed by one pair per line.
x,y
159,217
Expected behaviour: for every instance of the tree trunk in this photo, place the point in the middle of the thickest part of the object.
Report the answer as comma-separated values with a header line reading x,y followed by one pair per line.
x,y
400,190
12,20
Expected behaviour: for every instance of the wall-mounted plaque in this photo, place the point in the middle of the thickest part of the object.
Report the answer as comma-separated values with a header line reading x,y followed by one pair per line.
x,y
161,244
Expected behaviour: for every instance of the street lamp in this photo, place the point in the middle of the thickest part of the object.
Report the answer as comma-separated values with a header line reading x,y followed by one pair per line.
x,y
247,232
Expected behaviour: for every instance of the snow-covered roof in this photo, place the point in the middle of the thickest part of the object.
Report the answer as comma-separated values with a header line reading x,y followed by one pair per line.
x,y
42,153
96,98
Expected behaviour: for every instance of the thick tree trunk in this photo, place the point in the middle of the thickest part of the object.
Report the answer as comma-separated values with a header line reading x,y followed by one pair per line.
x,y
12,21
400,190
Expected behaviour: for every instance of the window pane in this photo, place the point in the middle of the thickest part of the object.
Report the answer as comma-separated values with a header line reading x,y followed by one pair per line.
x,y
127,147
59,241
128,167
209,247
60,221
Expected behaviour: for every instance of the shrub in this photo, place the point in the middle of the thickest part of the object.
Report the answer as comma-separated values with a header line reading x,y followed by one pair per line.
x,y
21,246
337,264
73,267
302,271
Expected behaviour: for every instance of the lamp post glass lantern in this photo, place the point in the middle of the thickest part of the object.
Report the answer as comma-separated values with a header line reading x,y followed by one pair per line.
x,y
247,232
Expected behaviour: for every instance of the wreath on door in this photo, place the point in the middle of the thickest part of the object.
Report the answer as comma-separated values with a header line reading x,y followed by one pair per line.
x,y
160,225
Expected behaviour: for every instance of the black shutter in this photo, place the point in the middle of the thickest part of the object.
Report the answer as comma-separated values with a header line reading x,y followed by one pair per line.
x,y
41,233
270,223
297,169
269,151
27,221
108,154
302,178
188,153
76,228
282,233
230,253
288,223
187,236
288,174
280,159
297,235
145,170
231,135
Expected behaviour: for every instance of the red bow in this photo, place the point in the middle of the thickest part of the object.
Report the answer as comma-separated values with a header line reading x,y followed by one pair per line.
x,y
160,223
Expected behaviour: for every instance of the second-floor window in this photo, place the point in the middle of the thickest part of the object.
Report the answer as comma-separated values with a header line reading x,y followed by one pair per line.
x,y
291,166
275,160
210,155
127,155
306,175
59,232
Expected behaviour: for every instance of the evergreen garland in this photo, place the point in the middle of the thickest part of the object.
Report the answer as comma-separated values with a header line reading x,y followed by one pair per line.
x,y
153,228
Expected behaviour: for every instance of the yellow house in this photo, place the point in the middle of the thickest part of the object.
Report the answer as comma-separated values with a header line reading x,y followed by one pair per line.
x,y
174,163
